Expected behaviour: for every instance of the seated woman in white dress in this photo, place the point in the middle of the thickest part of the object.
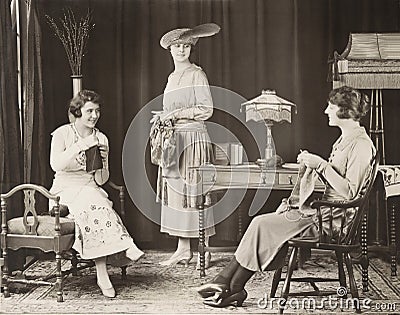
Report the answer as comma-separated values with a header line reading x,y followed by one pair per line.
x,y
100,233
263,245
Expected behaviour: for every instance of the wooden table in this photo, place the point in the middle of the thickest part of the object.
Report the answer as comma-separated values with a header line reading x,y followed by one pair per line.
x,y
239,177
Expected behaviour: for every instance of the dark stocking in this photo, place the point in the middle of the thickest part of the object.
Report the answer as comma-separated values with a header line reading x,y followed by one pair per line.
x,y
227,273
240,278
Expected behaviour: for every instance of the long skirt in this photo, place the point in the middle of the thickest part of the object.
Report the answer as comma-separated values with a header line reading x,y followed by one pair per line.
x,y
266,236
263,246
99,231
177,186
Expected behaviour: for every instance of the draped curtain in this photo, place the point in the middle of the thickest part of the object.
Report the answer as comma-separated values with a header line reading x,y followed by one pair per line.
x,y
263,44
10,135
34,120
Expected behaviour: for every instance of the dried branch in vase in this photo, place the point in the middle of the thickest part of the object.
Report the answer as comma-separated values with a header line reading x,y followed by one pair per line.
x,y
73,35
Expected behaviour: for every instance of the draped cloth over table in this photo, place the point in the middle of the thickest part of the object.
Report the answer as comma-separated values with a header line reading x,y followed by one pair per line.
x,y
187,94
262,246
370,61
99,230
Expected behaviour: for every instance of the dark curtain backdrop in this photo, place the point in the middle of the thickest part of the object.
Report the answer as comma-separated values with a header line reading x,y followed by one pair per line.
x,y
10,135
282,45
34,117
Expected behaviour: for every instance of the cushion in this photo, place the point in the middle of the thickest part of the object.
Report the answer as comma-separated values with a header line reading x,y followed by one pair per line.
x,y
45,227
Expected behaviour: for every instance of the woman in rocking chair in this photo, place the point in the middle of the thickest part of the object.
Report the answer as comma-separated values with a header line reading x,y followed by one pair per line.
x,y
263,245
100,233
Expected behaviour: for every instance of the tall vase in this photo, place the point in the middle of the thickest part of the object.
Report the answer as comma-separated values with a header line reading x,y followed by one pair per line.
x,y
76,87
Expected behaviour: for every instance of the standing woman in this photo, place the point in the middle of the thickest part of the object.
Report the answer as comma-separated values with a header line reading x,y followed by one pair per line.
x,y
99,231
187,103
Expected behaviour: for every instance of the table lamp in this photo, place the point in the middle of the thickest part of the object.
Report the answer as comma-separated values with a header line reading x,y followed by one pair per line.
x,y
269,108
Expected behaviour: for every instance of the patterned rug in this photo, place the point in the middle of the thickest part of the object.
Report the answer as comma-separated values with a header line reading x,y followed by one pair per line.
x,y
151,288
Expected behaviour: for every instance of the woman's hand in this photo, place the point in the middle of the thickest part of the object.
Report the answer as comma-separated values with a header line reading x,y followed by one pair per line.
x,y
156,115
167,115
310,160
104,150
162,115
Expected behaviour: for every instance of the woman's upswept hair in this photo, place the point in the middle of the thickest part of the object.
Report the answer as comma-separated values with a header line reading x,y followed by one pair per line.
x,y
80,99
352,103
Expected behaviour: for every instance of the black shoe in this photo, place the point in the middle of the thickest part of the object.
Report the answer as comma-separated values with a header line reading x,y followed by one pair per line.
x,y
209,289
226,299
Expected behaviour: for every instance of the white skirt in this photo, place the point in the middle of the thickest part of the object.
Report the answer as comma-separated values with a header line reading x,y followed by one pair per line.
x,y
99,230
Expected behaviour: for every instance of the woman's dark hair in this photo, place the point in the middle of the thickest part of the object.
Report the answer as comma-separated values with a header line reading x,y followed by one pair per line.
x,y
80,100
352,103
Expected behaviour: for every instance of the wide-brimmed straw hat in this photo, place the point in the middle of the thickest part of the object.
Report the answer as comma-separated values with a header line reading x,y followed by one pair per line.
x,y
188,35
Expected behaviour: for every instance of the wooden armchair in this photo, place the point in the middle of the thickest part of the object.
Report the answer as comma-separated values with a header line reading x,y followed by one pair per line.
x,y
46,233
343,241
49,234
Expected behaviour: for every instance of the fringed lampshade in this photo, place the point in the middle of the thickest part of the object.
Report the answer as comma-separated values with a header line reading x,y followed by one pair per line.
x,y
269,108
